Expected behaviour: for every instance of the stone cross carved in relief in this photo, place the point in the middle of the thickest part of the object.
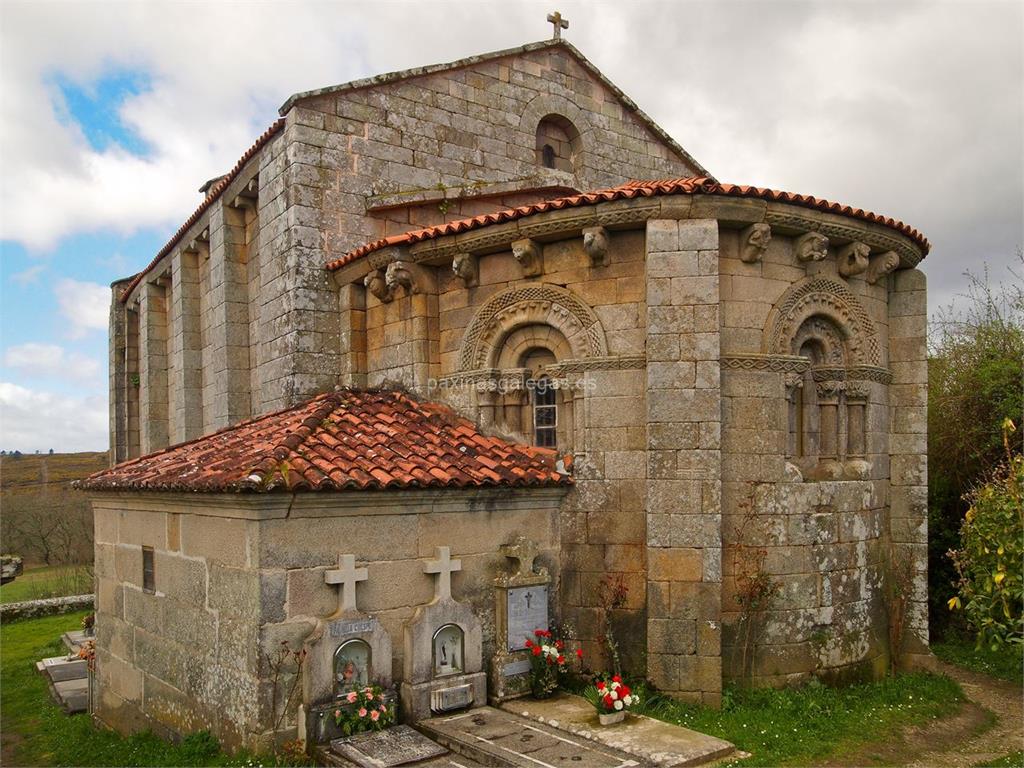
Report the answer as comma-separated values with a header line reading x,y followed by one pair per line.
x,y
347,575
444,567
524,552
556,20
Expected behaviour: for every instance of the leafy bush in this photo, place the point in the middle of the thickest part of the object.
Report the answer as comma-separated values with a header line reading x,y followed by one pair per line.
x,y
975,352
988,562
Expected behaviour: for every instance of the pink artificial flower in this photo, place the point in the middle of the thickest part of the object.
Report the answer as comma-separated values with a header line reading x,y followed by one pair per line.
x,y
383,707
362,711
352,696
369,695
375,715
337,713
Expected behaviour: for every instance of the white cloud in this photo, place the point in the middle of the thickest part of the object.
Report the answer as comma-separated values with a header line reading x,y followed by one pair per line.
x,y
85,305
33,359
32,420
888,106
28,276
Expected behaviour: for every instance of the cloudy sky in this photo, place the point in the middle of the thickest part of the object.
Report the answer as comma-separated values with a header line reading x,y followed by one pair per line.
x,y
114,113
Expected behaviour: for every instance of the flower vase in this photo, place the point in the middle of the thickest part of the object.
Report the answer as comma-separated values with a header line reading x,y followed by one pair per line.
x,y
611,718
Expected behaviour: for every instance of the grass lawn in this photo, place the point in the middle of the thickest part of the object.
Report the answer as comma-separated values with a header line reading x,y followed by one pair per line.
x,y
808,725
36,732
1012,760
48,581
1006,663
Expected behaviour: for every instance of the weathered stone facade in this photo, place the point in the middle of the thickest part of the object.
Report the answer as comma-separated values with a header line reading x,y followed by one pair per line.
x,y
739,376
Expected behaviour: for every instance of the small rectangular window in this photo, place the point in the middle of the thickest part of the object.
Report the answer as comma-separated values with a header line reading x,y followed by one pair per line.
x,y
148,571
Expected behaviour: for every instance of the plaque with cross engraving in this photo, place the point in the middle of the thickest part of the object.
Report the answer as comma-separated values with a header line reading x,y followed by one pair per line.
x,y
527,611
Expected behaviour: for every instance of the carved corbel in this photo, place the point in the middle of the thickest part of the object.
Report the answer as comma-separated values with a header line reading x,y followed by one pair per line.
x,y
793,382
853,259
530,257
247,198
595,243
199,244
376,284
754,242
410,276
882,265
811,246
466,268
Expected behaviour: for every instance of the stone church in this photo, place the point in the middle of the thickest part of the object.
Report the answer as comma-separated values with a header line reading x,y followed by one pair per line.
x,y
438,319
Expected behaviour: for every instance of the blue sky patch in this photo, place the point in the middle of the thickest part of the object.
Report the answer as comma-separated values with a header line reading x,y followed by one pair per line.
x,y
94,106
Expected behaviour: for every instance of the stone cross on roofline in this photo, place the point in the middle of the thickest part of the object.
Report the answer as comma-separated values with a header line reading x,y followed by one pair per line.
x,y
558,23
444,567
347,575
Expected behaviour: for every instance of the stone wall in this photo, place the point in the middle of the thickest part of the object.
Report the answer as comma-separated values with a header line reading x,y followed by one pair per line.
x,y
237,577
258,329
684,463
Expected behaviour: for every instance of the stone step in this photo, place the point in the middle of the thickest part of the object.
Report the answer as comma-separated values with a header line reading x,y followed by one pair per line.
x,y
501,739
650,741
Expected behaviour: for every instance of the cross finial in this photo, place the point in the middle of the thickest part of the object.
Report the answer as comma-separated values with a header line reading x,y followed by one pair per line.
x,y
346,574
444,567
559,24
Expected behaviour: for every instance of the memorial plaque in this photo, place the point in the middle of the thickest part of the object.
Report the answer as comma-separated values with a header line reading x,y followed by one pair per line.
x,y
520,667
447,699
395,746
351,627
527,611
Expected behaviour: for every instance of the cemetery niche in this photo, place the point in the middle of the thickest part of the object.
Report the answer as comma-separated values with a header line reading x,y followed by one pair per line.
x,y
346,652
521,607
443,650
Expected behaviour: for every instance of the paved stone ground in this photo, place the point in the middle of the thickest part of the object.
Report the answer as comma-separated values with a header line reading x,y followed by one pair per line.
x,y
1001,698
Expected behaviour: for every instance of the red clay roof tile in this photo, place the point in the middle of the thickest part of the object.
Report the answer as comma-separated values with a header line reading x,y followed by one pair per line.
x,y
347,439
687,186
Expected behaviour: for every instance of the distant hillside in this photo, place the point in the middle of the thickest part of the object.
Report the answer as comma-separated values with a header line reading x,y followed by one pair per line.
x,y
44,520
31,472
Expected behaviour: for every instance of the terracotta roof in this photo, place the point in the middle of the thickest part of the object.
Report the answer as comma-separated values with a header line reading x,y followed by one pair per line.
x,y
350,439
701,185
212,194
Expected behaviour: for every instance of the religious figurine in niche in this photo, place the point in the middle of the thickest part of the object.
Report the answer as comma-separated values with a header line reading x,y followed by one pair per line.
x,y
447,651
351,666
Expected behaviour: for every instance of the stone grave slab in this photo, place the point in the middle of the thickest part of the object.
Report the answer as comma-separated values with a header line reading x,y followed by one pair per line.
x,y
500,738
73,639
400,745
651,741
59,668
71,695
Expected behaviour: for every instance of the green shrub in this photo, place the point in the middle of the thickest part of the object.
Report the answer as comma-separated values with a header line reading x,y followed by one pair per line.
x,y
991,553
975,352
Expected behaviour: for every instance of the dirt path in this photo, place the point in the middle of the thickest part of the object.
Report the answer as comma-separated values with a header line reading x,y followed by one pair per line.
x,y
1000,698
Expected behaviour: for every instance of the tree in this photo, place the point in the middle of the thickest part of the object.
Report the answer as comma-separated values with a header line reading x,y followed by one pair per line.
x,y
974,380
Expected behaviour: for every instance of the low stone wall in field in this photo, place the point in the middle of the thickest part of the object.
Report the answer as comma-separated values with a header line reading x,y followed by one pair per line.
x,y
30,609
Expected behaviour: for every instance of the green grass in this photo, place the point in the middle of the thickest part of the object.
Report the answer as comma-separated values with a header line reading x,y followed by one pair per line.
x,y
36,731
48,581
1007,663
1012,760
804,726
